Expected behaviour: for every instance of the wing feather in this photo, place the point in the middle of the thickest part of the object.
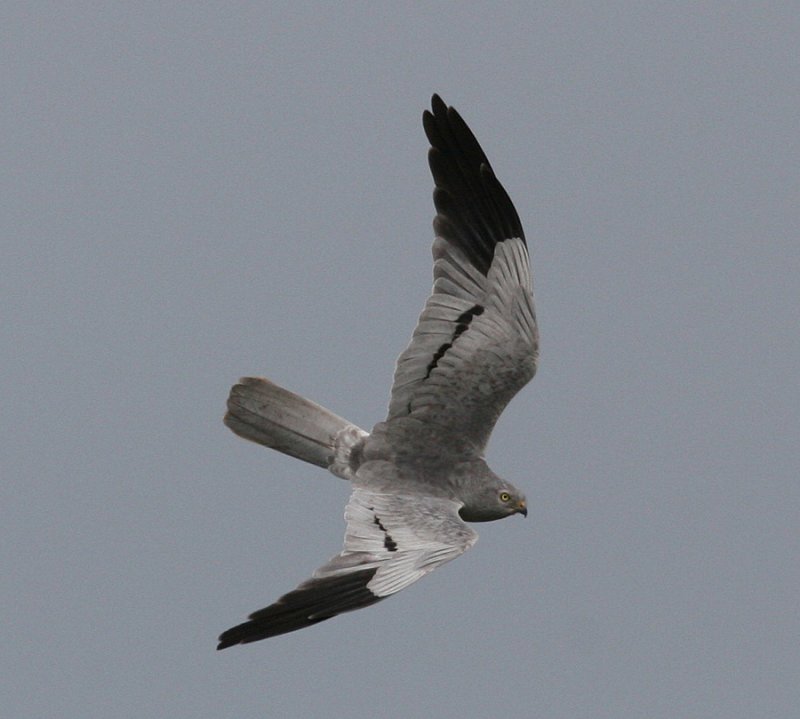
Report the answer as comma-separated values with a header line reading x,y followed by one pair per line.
x,y
476,342
391,541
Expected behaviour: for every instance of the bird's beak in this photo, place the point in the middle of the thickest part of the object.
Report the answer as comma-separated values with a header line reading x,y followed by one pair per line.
x,y
522,508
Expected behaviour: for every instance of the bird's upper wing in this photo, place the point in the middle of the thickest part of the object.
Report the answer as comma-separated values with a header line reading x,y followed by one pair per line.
x,y
476,343
391,541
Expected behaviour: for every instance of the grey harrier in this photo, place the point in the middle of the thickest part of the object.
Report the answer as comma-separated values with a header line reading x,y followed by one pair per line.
x,y
419,476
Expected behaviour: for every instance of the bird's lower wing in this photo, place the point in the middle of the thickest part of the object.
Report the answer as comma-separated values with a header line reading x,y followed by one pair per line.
x,y
391,541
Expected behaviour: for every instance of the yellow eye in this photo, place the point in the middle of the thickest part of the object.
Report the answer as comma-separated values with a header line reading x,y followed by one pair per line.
x,y
504,496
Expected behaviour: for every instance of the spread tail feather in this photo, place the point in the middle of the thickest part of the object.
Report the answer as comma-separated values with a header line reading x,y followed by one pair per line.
x,y
267,414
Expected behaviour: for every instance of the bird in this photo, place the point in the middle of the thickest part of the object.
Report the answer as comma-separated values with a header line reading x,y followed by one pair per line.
x,y
419,478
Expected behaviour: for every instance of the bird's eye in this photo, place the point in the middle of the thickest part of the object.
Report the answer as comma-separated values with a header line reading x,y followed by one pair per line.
x,y
504,496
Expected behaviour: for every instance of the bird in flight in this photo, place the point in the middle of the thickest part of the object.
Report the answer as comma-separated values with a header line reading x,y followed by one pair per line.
x,y
419,477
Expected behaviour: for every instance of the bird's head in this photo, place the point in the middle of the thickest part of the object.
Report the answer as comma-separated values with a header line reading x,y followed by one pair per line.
x,y
495,500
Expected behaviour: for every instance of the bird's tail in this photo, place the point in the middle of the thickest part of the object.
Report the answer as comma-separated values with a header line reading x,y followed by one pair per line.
x,y
267,414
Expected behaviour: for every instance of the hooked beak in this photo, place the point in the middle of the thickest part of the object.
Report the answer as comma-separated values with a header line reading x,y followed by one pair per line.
x,y
522,508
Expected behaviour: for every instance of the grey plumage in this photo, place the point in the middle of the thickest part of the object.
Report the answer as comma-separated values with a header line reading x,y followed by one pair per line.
x,y
420,474
263,412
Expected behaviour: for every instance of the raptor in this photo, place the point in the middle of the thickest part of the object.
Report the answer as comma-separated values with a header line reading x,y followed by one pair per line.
x,y
419,478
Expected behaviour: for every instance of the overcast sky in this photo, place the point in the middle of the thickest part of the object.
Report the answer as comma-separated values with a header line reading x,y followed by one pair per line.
x,y
195,192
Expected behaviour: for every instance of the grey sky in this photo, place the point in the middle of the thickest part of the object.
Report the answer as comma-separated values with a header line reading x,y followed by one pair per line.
x,y
191,194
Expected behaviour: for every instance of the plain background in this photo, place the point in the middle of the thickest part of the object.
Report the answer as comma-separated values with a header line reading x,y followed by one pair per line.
x,y
194,192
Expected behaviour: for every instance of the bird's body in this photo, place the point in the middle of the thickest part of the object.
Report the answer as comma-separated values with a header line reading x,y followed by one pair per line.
x,y
419,475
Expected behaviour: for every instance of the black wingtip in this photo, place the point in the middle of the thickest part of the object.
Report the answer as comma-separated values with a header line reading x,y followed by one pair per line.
x,y
439,109
437,104
314,601
474,212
